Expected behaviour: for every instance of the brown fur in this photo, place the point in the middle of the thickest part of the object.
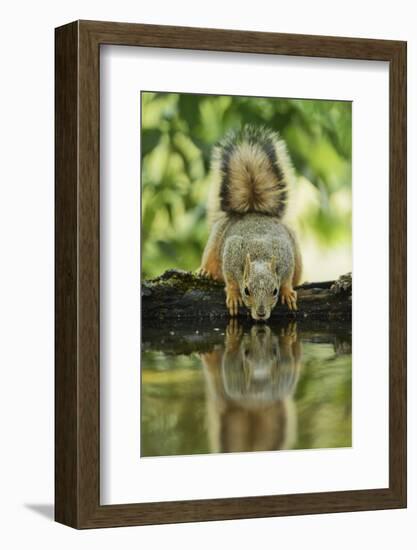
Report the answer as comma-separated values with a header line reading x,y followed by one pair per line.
x,y
251,181
251,173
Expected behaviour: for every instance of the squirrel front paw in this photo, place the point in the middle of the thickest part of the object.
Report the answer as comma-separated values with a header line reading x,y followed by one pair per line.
x,y
233,301
201,272
289,297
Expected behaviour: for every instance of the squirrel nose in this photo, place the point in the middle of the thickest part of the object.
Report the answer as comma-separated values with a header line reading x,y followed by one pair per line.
x,y
261,312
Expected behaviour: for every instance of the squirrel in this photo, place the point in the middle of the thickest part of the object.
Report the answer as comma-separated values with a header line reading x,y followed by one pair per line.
x,y
251,381
249,247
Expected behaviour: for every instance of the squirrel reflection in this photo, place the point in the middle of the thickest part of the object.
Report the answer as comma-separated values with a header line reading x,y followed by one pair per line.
x,y
250,384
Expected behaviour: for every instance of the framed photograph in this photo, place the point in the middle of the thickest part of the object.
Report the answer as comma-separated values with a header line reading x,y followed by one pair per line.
x,y
217,192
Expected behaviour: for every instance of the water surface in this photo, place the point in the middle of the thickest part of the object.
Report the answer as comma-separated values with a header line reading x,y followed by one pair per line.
x,y
234,388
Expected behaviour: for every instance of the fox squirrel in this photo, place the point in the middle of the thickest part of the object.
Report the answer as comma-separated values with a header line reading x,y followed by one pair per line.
x,y
249,248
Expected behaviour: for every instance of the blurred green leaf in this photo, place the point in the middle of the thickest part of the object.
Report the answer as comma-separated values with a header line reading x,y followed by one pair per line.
x,y
150,139
177,136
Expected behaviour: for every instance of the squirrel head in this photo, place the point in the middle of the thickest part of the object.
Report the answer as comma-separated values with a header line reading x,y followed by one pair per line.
x,y
260,287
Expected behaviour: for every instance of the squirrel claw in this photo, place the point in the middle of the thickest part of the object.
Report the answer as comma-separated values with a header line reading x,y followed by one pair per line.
x,y
289,297
233,302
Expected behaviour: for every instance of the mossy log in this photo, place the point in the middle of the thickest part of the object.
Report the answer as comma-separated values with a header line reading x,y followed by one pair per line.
x,y
180,295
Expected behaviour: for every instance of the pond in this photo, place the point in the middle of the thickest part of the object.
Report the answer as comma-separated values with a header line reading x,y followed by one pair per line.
x,y
233,387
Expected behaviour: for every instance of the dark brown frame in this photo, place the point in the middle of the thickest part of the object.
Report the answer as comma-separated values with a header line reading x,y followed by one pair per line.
x,y
77,274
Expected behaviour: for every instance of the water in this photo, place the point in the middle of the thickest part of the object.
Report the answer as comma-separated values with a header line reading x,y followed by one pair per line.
x,y
235,388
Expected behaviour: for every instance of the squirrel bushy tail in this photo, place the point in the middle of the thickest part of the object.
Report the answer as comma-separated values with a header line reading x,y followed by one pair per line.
x,y
251,172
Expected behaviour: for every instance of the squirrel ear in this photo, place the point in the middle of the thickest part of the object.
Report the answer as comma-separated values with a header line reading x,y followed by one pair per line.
x,y
246,271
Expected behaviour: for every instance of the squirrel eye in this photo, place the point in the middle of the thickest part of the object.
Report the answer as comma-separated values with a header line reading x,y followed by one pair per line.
x,y
275,291
247,291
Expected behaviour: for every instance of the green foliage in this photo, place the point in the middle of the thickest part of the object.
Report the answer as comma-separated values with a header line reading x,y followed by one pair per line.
x,y
178,132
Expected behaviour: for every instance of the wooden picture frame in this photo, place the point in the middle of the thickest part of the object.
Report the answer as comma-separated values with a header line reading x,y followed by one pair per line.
x,y
77,373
